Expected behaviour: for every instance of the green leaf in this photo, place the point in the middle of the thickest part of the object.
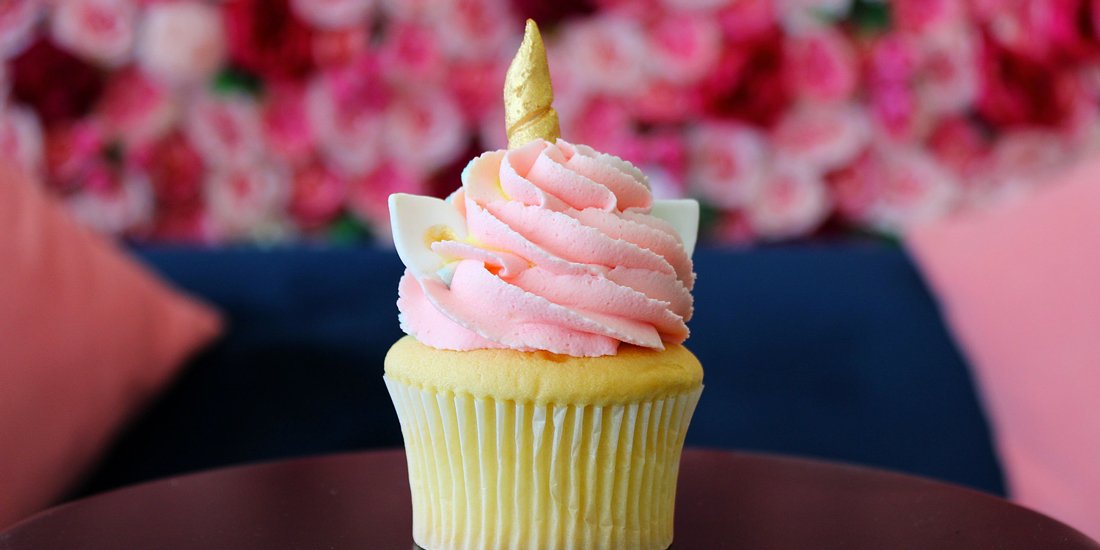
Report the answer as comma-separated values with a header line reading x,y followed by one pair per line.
x,y
709,216
347,229
235,80
871,15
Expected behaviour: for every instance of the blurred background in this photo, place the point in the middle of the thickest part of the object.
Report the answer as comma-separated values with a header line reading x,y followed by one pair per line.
x,y
280,120
933,308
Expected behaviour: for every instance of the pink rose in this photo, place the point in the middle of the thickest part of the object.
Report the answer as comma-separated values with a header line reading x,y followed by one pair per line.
x,y
476,86
733,228
367,195
821,64
822,137
100,30
791,200
603,124
892,187
21,138
112,203
135,109
1082,125
854,188
746,21
181,42
18,19
247,202
72,149
726,162
891,75
912,188
333,14
929,16
491,134
896,111
570,92
692,5
411,53
475,29
317,196
664,160
424,131
634,9
893,58
959,144
337,47
1023,157
949,73
662,102
345,108
608,53
682,49
287,130
226,129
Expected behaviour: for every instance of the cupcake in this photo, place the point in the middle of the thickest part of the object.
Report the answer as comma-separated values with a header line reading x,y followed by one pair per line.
x,y
542,388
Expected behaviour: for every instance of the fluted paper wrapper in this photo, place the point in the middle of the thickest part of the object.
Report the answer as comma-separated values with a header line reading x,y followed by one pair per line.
x,y
494,474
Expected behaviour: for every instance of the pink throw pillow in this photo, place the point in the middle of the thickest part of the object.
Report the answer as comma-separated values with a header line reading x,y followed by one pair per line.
x,y
87,336
1020,287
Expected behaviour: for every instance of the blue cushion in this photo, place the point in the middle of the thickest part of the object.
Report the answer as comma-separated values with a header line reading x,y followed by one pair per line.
x,y
833,351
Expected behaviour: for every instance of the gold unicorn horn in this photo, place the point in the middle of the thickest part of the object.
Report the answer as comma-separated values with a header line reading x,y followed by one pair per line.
x,y
527,93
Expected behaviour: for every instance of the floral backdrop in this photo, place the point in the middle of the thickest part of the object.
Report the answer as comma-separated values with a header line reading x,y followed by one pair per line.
x,y
268,120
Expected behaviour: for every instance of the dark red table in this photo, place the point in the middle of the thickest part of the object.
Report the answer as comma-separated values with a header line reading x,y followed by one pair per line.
x,y
726,500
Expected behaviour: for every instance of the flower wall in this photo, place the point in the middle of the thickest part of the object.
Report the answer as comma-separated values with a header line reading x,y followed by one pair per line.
x,y
268,120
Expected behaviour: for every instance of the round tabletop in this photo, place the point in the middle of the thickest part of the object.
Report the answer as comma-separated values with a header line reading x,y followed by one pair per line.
x,y
725,500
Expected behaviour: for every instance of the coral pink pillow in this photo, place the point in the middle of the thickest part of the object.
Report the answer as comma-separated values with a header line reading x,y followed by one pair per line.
x,y
1020,286
86,338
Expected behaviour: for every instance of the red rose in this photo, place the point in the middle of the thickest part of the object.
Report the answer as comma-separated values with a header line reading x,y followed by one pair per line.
x,y
189,224
35,81
1017,90
71,149
176,173
317,196
335,47
265,37
761,93
549,14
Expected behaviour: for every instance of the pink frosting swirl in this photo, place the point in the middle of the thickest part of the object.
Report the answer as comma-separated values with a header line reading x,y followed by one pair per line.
x,y
561,255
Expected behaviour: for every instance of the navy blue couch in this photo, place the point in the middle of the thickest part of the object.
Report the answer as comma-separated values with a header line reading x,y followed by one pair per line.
x,y
834,351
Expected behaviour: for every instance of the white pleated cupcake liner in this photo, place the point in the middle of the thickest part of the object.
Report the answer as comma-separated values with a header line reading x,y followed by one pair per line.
x,y
493,474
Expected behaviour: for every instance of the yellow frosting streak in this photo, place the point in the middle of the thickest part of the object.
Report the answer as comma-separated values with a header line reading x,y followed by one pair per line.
x,y
633,375
528,94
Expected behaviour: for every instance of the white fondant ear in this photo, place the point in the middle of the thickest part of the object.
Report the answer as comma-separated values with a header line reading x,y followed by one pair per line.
x,y
683,214
419,221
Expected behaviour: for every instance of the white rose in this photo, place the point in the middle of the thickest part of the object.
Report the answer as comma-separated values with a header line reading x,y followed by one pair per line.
x,y
100,30
181,42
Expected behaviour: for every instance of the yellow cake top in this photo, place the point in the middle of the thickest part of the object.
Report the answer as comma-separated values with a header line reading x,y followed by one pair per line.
x,y
632,375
